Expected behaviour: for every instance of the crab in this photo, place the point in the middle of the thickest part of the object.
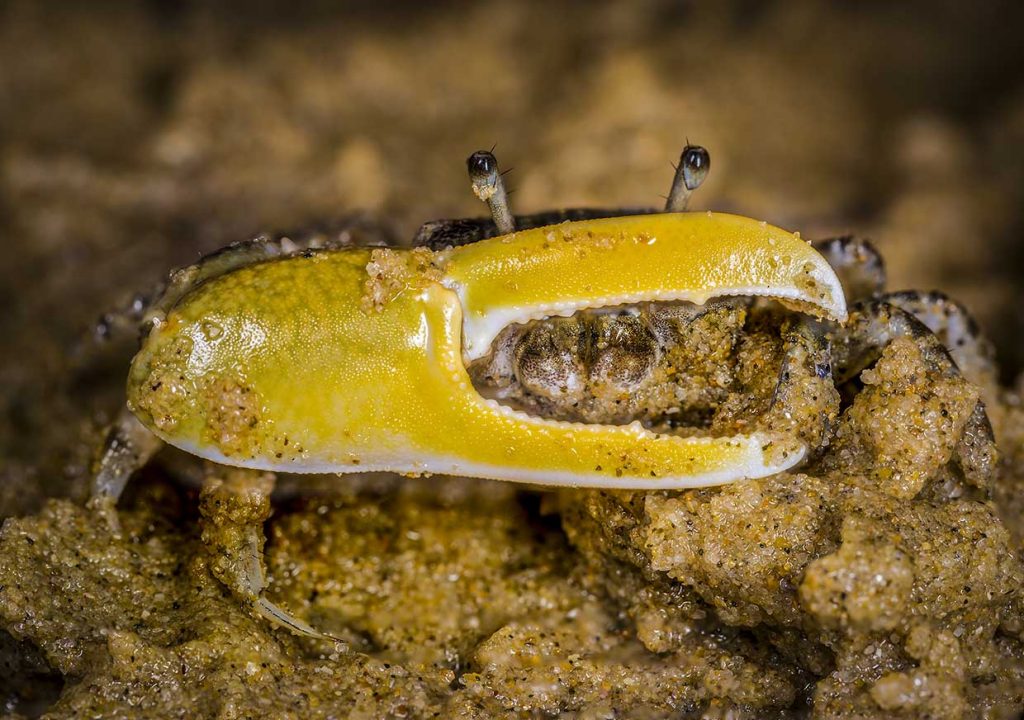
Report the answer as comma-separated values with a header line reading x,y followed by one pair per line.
x,y
551,349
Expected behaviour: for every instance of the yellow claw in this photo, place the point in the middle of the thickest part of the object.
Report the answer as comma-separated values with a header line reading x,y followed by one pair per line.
x,y
355,359
560,269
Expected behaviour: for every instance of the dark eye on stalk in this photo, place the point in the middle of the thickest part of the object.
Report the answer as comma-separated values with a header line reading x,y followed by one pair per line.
x,y
487,185
696,162
481,163
693,167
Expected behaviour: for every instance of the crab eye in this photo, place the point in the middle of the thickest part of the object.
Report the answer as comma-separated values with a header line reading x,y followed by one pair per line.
x,y
481,163
695,162
487,185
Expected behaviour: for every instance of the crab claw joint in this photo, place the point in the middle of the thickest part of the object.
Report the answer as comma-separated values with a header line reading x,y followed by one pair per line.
x,y
355,359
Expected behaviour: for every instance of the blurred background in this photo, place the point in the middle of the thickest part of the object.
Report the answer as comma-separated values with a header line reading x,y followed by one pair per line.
x,y
135,136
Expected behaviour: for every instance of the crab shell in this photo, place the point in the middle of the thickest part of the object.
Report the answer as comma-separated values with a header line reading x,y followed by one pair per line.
x,y
355,359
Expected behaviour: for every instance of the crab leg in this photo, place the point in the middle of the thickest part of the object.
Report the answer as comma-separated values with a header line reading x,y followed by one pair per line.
x,y
128,446
355,360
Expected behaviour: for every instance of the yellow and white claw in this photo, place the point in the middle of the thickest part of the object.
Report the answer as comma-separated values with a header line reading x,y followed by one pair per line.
x,y
355,359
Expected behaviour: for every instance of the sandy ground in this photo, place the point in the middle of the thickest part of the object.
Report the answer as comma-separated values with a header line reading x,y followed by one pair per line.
x,y
135,136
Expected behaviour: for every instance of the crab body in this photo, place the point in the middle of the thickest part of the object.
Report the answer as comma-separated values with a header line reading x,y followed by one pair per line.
x,y
355,359
588,348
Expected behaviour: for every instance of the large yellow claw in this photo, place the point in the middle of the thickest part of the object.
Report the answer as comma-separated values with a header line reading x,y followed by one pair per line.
x,y
353,360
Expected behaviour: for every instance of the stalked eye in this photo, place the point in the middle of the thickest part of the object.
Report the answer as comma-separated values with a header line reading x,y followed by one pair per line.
x,y
696,162
693,167
489,187
481,164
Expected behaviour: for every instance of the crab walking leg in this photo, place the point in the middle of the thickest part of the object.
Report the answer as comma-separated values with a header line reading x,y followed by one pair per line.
x,y
128,446
858,264
234,504
561,269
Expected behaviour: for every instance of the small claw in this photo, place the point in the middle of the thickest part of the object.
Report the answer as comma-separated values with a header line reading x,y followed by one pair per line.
x,y
355,360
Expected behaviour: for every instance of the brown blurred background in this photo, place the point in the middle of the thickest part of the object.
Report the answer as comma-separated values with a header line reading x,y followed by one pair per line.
x,y
136,135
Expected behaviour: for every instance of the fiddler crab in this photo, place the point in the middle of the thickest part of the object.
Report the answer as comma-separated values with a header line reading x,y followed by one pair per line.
x,y
518,348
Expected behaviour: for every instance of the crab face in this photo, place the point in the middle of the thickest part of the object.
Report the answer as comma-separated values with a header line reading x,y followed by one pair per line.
x,y
355,359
